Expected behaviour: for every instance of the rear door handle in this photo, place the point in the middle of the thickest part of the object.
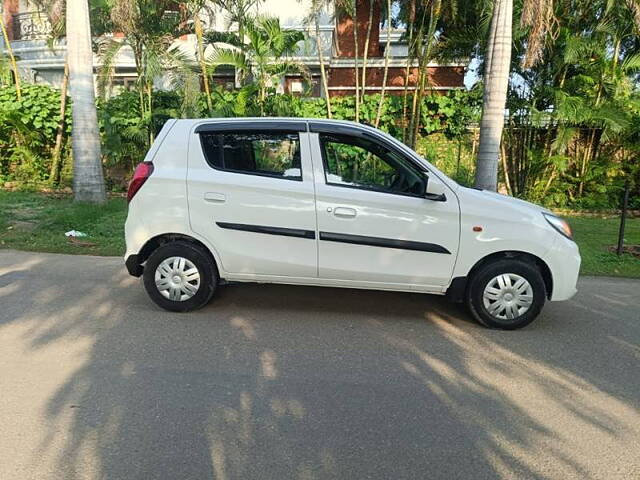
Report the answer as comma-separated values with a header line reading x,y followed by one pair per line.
x,y
215,197
344,212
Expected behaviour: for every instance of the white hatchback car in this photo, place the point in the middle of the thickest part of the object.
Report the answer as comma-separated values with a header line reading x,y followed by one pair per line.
x,y
337,204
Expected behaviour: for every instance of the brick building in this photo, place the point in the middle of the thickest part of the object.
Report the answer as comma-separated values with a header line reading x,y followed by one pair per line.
x,y
39,63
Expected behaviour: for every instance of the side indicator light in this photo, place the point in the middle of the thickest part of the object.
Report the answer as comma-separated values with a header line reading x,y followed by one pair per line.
x,y
477,228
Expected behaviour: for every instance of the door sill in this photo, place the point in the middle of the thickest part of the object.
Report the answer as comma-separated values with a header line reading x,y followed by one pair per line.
x,y
319,282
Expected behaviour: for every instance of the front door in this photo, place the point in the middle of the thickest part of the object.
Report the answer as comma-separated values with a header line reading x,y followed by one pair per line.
x,y
374,222
251,194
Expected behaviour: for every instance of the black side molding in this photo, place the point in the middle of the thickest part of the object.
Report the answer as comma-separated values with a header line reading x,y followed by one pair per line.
x,y
383,242
285,232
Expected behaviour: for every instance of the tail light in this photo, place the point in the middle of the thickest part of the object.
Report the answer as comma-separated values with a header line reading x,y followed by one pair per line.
x,y
140,175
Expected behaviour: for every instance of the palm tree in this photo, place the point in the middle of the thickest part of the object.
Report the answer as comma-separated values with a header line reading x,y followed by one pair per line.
x,y
425,40
317,7
265,54
365,53
538,18
239,12
385,75
353,12
410,16
12,58
149,29
496,82
349,8
54,9
199,5
88,179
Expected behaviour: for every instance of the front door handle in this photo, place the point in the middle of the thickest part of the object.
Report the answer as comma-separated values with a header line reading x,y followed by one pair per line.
x,y
215,197
344,212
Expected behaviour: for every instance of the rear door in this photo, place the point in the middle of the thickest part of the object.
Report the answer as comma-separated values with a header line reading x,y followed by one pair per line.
x,y
375,224
251,194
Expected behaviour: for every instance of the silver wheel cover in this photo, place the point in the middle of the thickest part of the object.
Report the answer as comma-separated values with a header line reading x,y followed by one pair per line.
x,y
507,296
177,279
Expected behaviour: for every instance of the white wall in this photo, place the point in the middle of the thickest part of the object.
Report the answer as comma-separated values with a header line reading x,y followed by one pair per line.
x,y
291,13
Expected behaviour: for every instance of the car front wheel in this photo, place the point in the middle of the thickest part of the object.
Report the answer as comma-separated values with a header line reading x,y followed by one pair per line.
x,y
506,294
180,277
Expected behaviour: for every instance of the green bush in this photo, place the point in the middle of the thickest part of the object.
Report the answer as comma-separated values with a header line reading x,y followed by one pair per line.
x,y
126,136
448,114
28,132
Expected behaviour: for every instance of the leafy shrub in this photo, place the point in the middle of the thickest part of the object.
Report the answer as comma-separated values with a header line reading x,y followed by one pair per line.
x,y
449,114
28,132
126,135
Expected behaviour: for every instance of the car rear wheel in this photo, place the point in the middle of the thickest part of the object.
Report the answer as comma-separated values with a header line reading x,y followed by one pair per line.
x,y
506,294
180,277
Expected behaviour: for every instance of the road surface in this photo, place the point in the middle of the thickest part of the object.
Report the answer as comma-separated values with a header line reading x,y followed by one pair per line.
x,y
279,382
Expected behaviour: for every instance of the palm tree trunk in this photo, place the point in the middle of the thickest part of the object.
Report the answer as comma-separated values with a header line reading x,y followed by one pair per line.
x,y
150,111
137,58
387,54
419,46
203,63
365,54
434,16
323,72
12,58
412,19
355,57
495,94
88,179
54,175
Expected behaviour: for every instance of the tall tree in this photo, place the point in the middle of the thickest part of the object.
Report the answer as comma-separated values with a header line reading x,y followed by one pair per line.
x,y
365,53
266,54
55,12
149,28
496,82
88,179
239,12
197,23
385,75
317,7
12,58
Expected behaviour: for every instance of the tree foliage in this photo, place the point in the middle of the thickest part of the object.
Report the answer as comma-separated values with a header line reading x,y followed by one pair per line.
x,y
27,132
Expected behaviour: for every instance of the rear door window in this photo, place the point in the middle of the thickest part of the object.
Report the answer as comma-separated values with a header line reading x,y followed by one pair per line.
x,y
272,154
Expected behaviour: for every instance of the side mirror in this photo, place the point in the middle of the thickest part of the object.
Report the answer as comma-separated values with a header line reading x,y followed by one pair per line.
x,y
435,190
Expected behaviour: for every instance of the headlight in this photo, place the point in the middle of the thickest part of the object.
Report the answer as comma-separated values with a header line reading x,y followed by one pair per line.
x,y
559,224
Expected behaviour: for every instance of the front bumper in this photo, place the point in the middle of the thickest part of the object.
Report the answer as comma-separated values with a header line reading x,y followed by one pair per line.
x,y
564,262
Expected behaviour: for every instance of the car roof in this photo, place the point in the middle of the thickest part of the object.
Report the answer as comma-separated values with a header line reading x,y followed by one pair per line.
x,y
286,123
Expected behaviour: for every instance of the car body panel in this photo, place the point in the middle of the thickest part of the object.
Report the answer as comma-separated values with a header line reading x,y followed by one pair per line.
x,y
173,201
228,208
426,234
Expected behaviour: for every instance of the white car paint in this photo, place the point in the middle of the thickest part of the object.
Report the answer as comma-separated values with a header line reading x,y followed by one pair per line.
x,y
186,196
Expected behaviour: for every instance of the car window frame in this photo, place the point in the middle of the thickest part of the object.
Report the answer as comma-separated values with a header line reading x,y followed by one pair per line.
x,y
325,166
220,132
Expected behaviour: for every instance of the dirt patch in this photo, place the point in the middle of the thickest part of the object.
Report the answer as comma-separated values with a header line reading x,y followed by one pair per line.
x,y
633,250
23,225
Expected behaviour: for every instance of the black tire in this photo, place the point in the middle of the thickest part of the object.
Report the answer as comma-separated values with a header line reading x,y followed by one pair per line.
x,y
202,261
486,273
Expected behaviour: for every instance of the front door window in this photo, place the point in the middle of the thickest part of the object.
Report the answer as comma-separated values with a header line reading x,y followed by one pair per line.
x,y
359,163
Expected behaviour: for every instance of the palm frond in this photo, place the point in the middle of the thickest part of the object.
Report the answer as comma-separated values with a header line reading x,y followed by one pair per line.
x,y
107,52
227,55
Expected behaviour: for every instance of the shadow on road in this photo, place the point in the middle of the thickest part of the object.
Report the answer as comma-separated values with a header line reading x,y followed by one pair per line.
x,y
300,382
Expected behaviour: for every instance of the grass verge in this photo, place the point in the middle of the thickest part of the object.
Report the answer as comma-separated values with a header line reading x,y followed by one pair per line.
x,y
37,222
595,236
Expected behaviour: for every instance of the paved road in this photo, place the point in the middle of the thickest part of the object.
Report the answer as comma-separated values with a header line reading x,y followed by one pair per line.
x,y
276,382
